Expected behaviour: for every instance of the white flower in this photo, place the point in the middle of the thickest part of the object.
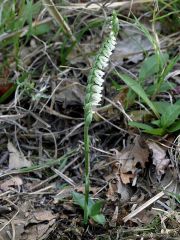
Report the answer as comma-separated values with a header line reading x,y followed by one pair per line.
x,y
98,80
96,98
103,59
107,52
111,45
102,65
109,48
99,73
97,89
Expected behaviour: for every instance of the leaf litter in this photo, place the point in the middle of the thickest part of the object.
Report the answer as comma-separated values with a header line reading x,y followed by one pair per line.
x,y
138,177
17,159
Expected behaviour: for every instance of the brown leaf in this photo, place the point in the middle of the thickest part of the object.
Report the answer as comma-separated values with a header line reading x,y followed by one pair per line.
x,y
159,157
18,226
17,160
124,191
131,159
39,232
120,188
131,43
111,193
44,216
126,178
13,182
39,225
114,219
71,93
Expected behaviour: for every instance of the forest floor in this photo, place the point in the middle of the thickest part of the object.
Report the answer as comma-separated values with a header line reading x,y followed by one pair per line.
x,y
46,53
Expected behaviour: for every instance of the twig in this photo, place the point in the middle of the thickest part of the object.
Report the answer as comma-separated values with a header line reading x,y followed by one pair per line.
x,y
52,9
63,176
113,5
145,205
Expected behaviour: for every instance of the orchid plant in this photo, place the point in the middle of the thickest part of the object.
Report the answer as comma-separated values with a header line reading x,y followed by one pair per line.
x,y
92,100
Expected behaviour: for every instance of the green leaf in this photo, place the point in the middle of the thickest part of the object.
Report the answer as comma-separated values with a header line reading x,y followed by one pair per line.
x,y
29,15
156,131
131,97
170,115
174,127
165,86
140,125
151,65
136,87
41,29
116,85
148,129
78,199
99,218
156,122
161,106
96,207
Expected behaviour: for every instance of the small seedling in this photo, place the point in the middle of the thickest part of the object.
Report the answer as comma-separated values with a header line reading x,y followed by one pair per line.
x,y
92,99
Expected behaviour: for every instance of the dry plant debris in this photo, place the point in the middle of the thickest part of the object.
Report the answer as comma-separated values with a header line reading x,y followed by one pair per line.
x,y
44,66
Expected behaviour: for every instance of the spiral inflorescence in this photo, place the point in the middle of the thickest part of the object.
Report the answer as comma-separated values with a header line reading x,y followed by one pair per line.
x,y
95,79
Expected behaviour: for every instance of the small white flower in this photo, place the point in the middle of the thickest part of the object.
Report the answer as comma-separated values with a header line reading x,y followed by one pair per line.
x,y
107,52
111,45
109,49
95,104
99,73
96,97
102,65
97,89
103,59
98,80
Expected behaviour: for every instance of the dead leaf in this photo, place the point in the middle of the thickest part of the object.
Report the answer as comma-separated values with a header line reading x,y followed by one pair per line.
x,y
6,229
13,182
39,231
44,216
39,225
159,157
111,193
131,46
114,219
17,160
116,186
131,159
70,93
125,170
145,217
126,178
124,191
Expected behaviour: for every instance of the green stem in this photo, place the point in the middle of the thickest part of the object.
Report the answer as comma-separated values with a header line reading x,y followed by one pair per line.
x,y
87,170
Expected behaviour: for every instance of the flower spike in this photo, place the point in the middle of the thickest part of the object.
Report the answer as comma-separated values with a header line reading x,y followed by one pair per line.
x,y
95,79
